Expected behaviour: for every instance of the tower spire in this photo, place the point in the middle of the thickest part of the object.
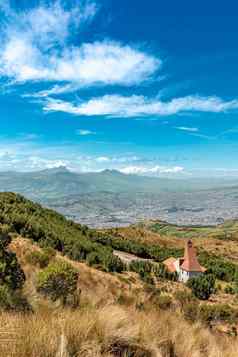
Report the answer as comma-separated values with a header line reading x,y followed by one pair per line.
x,y
190,262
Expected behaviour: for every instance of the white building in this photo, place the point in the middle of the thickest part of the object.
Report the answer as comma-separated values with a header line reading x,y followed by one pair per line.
x,y
186,267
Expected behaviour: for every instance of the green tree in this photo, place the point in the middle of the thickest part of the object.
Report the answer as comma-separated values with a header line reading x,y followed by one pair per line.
x,y
58,281
11,274
202,286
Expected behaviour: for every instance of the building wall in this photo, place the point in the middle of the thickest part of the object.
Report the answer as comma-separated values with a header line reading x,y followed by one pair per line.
x,y
184,275
177,267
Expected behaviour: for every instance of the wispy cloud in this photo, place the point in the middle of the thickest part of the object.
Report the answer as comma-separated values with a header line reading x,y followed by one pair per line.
x,y
187,128
28,156
204,136
135,106
85,132
154,170
36,46
195,132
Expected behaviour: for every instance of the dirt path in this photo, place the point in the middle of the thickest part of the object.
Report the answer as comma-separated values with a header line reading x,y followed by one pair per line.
x,y
127,258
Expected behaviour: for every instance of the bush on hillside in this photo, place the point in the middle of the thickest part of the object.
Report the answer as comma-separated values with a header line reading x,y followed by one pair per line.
x,y
161,272
147,269
191,311
11,300
222,269
220,312
58,281
11,273
93,259
12,277
114,264
163,301
230,289
141,267
202,286
38,259
41,258
184,297
107,262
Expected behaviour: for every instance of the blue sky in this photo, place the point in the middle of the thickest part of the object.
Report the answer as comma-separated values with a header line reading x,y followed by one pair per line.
x,y
146,87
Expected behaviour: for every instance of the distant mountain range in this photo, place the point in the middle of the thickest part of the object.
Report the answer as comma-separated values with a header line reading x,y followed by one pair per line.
x,y
50,183
60,181
112,198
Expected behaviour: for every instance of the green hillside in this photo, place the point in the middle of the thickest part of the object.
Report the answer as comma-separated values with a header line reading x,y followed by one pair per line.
x,y
51,229
226,231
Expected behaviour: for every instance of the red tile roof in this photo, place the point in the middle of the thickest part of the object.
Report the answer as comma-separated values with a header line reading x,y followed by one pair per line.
x,y
190,262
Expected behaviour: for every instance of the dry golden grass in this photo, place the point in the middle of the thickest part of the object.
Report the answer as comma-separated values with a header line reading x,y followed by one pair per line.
x,y
109,331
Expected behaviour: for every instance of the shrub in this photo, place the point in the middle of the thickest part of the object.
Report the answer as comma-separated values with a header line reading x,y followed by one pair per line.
x,y
190,311
13,300
11,273
114,264
93,259
12,277
141,267
38,258
50,252
184,297
161,301
221,312
202,286
164,302
106,261
222,269
58,281
147,278
162,272
229,289
144,269
41,258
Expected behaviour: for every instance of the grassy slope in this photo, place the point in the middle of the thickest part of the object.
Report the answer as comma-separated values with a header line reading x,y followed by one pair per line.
x,y
117,317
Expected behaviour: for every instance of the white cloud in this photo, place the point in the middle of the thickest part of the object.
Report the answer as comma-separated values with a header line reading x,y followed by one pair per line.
x,y
28,156
38,163
144,170
102,159
85,132
134,106
185,128
35,46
